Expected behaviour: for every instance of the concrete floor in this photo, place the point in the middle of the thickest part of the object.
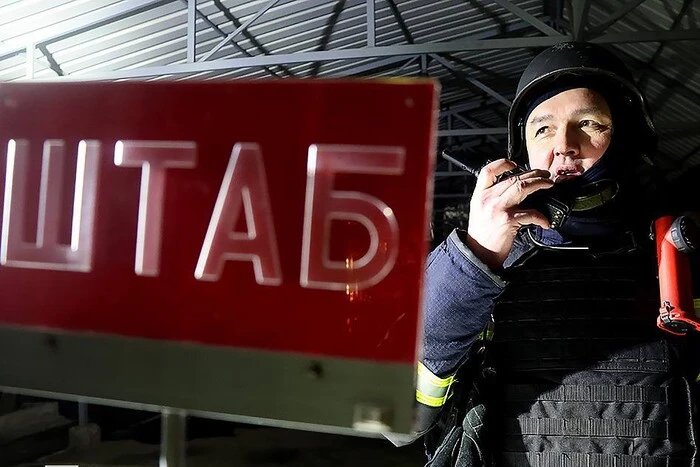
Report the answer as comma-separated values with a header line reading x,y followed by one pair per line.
x,y
251,446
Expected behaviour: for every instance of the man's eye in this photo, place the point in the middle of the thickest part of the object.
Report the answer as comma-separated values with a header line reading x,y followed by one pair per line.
x,y
589,124
541,130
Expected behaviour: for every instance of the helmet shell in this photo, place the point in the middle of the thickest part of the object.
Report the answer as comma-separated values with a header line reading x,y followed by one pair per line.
x,y
589,65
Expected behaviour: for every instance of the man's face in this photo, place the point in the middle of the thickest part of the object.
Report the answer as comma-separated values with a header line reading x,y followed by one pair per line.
x,y
568,133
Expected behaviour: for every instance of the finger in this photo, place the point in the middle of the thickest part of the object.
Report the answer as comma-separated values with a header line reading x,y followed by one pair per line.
x,y
521,189
502,186
487,175
531,217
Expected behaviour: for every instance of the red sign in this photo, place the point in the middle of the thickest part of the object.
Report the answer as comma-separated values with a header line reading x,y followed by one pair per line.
x,y
275,216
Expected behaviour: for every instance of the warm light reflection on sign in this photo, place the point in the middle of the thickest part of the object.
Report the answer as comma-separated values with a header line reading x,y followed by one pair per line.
x,y
324,204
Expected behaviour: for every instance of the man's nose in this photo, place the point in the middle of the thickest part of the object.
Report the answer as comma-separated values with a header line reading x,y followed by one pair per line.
x,y
566,142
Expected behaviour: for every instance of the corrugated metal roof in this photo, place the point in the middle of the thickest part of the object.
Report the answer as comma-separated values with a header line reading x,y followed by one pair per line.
x,y
157,36
670,73
90,36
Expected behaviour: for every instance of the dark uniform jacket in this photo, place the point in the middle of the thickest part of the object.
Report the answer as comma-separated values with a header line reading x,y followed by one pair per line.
x,y
581,374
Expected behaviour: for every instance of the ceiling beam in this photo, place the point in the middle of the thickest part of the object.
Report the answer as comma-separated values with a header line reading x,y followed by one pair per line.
x,y
325,55
53,64
238,30
527,17
327,33
472,125
578,9
377,65
614,17
371,26
460,45
473,132
657,53
383,64
399,19
475,82
235,44
648,36
191,30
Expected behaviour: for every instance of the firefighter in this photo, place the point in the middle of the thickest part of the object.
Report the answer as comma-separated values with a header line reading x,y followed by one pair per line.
x,y
541,346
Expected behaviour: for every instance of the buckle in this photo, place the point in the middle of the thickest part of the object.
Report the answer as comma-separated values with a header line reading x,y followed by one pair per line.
x,y
627,244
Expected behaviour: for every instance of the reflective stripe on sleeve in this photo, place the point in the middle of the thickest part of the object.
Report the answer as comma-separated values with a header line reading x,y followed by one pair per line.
x,y
487,333
431,390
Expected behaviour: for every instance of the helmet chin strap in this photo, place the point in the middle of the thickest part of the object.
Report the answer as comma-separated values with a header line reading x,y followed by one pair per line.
x,y
566,202
594,195
597,210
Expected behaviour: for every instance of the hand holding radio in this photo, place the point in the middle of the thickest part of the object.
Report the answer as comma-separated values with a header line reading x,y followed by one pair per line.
x,y
496,212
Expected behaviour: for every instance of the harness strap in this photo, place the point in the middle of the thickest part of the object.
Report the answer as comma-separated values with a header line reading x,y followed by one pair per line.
x,y
591,393
592,427
575,459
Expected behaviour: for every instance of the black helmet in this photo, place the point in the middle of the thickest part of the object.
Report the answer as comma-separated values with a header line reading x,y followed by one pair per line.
x,y
580,64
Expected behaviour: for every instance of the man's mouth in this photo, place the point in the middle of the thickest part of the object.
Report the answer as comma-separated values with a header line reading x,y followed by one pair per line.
x,y
566,173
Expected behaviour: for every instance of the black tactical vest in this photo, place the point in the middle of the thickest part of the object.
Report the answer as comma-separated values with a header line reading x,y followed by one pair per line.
x,y
583,377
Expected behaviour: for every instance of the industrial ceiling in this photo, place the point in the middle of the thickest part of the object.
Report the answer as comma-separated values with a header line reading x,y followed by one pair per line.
x,y
475,48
